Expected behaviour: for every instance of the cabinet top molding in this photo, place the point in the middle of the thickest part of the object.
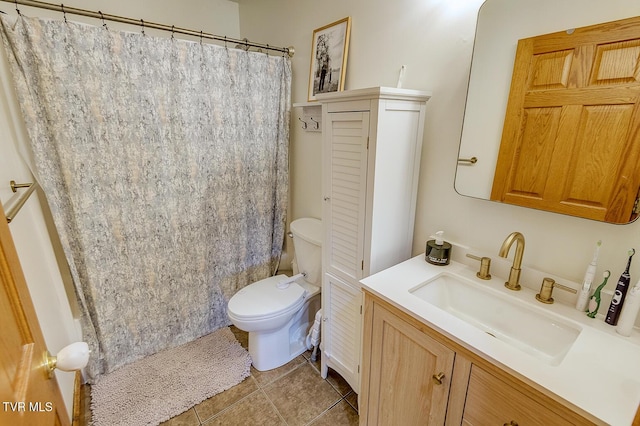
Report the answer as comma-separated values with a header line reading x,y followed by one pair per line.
x,y
375,92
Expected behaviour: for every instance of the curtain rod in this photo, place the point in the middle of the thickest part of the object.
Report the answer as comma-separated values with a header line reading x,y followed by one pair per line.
x,y
144,24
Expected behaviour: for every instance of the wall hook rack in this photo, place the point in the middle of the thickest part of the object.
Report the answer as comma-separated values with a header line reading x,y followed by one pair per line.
x,y
311,116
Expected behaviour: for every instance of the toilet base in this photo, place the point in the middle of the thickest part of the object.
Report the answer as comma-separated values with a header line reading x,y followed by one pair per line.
x,y
273,349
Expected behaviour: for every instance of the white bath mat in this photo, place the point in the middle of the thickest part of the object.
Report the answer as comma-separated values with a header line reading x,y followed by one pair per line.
x,y
161,386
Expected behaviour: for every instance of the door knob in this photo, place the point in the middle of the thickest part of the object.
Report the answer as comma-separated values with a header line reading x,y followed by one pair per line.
x,y
437,378
70,358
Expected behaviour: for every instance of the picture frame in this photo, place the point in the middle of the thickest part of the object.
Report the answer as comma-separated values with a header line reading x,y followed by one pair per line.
x,y
329,50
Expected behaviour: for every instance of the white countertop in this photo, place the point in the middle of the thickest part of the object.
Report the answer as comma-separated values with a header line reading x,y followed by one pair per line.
x,y
600,374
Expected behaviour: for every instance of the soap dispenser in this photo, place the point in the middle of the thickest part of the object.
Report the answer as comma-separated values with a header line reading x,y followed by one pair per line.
x,y
438,251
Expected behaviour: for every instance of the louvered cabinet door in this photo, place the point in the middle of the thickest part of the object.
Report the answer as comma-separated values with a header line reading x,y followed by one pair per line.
x,y
345,186
342,329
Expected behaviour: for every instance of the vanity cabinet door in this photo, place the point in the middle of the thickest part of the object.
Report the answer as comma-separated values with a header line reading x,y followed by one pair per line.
x,y
491,401
408,374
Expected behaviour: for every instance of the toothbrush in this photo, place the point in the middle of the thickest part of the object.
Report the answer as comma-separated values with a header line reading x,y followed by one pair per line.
x,y
621,291
583,297
594,301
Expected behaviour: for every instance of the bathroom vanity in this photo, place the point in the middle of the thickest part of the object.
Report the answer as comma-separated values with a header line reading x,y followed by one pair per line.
x,y
441,346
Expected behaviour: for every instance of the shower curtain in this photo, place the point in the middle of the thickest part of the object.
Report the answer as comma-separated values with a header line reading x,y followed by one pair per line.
x,y
165,165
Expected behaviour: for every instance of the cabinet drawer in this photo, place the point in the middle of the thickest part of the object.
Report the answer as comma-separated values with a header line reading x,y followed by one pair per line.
x,y
490,401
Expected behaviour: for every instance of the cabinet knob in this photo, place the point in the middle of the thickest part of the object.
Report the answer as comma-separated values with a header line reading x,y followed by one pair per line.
x,y
437,378
511,423
327,198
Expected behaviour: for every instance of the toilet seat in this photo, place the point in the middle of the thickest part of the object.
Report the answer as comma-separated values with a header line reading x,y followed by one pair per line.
x,y
263,299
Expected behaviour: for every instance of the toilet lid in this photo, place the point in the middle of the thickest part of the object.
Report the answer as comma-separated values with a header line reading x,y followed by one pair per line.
x,y
263,299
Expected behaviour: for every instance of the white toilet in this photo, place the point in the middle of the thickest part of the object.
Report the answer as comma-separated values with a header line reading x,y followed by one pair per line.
x,y
278,314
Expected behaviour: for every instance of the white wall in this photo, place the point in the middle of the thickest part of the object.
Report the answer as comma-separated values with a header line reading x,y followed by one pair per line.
x,y
53,307
434,38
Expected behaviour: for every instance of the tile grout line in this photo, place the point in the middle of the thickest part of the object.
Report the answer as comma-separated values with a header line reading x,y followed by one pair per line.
x,y
307,361
325,411
228,407
260,385
274,406
259,388
197,415
225,409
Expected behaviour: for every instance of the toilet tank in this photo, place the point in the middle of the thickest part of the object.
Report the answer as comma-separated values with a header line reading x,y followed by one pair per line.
x,y
307,245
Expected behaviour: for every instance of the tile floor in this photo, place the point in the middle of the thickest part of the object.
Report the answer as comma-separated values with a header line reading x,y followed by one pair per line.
x,y
292,395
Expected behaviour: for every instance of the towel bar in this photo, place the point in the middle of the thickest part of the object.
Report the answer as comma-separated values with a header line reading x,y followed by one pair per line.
x,y
12,210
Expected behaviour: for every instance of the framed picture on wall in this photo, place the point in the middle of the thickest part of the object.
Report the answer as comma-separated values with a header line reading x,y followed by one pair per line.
x,y
329,49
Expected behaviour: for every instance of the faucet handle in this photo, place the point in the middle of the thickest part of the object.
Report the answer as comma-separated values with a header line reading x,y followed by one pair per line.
x,y
547,288
485,265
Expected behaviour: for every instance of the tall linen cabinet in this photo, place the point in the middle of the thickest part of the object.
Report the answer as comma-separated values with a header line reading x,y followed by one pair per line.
x,y
372,140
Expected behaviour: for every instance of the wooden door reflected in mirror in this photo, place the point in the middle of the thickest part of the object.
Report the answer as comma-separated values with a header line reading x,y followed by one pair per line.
x,y
571,137
574,145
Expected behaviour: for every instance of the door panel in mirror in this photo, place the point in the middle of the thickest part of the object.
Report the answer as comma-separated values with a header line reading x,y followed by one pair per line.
x,y
569,144
596,78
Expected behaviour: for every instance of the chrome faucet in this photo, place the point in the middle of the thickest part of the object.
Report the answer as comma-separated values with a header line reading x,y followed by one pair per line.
x,y
514,275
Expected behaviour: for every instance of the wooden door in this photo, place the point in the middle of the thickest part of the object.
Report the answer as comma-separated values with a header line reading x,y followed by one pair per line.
x,y
408,374
571,138
28,396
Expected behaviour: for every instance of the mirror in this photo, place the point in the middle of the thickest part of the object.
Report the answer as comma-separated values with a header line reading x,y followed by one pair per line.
x,y
501,23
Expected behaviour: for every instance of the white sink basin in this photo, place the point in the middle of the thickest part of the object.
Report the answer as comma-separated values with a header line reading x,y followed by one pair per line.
x,y
505,318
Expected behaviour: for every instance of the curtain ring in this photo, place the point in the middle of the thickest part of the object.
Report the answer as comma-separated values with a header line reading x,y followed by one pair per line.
x,y
142,24
17,10
104,24
200,36
266,50
225,42
172,32
64,14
